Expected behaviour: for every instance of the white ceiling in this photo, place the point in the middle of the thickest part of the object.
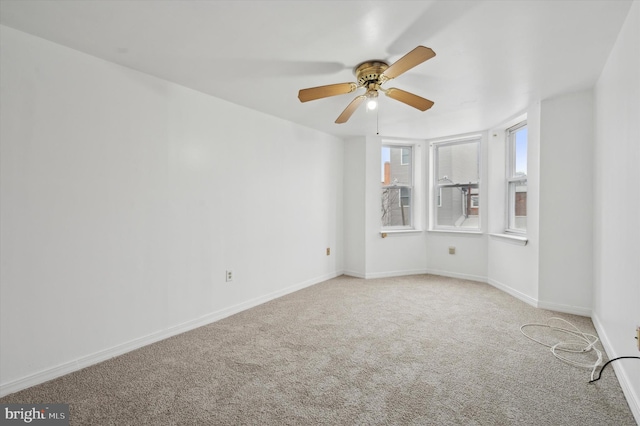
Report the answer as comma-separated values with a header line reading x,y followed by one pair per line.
x,y
493,57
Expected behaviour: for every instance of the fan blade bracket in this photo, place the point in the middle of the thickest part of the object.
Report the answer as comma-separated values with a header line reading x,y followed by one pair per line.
x,y
350,109
320,92
417,56
408,98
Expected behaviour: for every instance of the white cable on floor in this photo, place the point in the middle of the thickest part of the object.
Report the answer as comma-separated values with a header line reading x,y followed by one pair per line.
x,y
586,343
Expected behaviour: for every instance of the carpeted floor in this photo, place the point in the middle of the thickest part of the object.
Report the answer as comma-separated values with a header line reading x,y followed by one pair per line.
x,y
417,350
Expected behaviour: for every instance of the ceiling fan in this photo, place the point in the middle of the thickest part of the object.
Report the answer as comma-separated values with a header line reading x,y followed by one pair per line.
x,y
371,75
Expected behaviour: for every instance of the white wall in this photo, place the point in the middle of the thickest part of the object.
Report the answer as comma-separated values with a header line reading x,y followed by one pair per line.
x,y
354,207
553,270
470,258
125,198
616,259
566,203
367,254
513,266
397,254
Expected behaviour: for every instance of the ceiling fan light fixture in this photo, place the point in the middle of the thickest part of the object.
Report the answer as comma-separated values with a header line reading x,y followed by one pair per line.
x,y
372,100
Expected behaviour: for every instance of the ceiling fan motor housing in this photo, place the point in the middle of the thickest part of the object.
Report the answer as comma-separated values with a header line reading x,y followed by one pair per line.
x,y
369,72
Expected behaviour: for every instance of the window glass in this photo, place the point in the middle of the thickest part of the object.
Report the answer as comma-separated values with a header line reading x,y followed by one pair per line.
x,y
396,187
517,137
521,152
406,156
457,184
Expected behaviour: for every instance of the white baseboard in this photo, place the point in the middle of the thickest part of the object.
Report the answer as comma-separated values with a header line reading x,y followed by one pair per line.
x,y
633,399
390,274
97,357
457,275
513,292
354,274
557,307
567,309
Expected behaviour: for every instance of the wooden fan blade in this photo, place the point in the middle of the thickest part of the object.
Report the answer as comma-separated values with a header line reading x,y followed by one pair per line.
x,y
320,92
408,61
350,109
409,98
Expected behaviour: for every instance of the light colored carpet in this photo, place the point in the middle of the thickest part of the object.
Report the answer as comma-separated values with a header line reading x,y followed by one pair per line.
x,y
417,350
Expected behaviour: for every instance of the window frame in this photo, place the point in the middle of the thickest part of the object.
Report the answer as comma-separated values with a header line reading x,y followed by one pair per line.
x,y
437,186
410,186
512,179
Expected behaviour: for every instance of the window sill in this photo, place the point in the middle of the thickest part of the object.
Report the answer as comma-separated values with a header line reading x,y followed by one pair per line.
x,y
456,231
392,232
514,239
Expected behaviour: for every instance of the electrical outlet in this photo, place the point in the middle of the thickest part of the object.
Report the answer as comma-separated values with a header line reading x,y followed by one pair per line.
x,y
328,251
229,275
452,250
